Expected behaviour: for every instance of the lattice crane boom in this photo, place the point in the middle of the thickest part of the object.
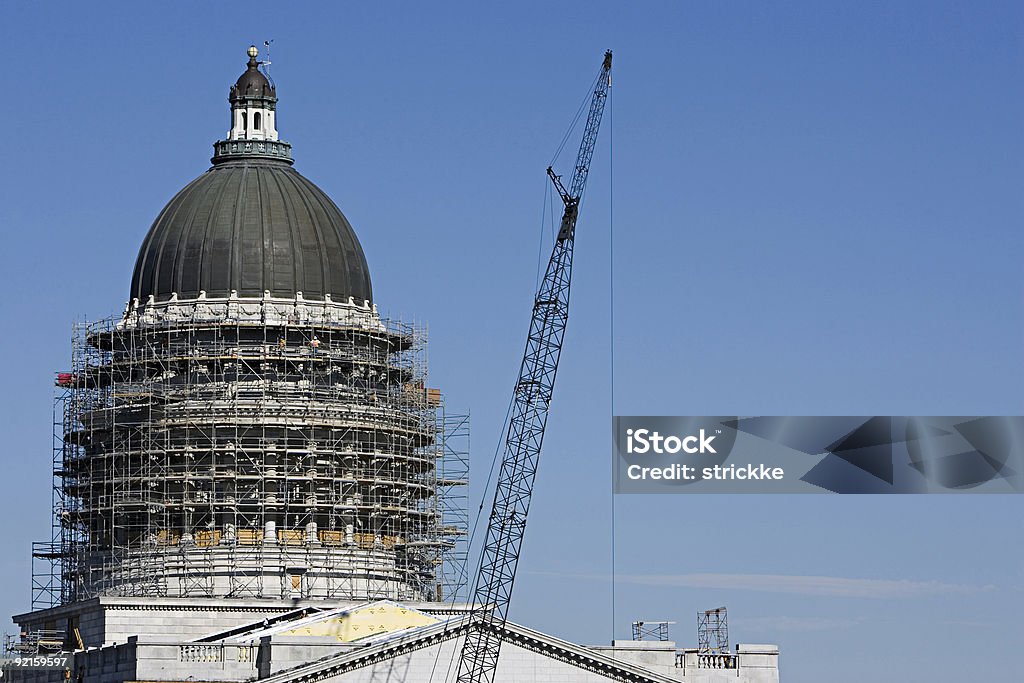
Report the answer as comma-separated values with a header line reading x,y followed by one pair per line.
x,y
531,399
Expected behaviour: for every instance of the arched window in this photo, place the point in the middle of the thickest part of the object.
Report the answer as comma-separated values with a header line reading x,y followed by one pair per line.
x,y
244,124
256,121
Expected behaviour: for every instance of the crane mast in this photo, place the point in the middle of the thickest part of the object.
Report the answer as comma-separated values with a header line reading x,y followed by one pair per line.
x,y
531,399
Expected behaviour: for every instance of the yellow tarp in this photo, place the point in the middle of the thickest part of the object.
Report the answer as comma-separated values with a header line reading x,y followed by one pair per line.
x,y
371,620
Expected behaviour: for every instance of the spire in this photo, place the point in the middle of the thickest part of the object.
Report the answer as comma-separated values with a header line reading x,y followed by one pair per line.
x,y
253,131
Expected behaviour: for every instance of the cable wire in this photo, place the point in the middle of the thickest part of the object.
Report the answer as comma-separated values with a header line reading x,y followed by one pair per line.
x,y
584,105
611,325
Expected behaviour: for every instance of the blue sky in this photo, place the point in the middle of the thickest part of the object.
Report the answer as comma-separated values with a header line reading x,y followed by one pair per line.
x,y
817,210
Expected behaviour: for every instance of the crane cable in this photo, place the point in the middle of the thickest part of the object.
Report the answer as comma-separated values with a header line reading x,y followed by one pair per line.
x,y
584,106
611,328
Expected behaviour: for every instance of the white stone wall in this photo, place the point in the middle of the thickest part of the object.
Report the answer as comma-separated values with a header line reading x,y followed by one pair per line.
x,y
655,655
110,620
439,664
152,644
244,128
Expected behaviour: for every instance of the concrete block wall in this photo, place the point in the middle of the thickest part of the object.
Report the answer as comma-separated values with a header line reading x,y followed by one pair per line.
x,y
92,625
106,665
107,621
278,653
188,624
759,662
654,655
134,660
196,662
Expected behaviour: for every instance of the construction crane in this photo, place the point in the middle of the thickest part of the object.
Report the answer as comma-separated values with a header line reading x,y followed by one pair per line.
x,y
529,413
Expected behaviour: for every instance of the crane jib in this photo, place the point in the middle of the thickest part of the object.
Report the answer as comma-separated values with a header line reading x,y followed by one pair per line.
x,y
528,419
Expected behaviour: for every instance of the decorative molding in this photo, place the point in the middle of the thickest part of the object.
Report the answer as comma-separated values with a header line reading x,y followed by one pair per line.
x,y
528,640
264,310
225,150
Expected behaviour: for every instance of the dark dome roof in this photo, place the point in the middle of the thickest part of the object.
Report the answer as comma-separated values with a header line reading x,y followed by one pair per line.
x,y
252,83
251,225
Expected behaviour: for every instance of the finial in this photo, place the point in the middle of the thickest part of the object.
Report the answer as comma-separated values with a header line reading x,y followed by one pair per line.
x,y
253,51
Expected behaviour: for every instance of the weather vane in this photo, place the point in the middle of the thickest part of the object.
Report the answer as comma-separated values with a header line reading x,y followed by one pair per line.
x,y
265,64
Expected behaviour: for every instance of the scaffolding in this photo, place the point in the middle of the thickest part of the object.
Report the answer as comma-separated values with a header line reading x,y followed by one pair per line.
x,y
713,632
651,630
453,503
249,455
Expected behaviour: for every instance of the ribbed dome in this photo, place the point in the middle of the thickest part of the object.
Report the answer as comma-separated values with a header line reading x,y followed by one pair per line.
x,y
251,225
252,84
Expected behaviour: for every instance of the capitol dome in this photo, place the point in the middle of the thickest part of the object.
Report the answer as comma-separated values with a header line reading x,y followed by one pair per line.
x,y
251,224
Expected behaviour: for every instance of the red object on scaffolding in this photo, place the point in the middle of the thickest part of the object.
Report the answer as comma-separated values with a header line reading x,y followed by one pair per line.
x,y
65,379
